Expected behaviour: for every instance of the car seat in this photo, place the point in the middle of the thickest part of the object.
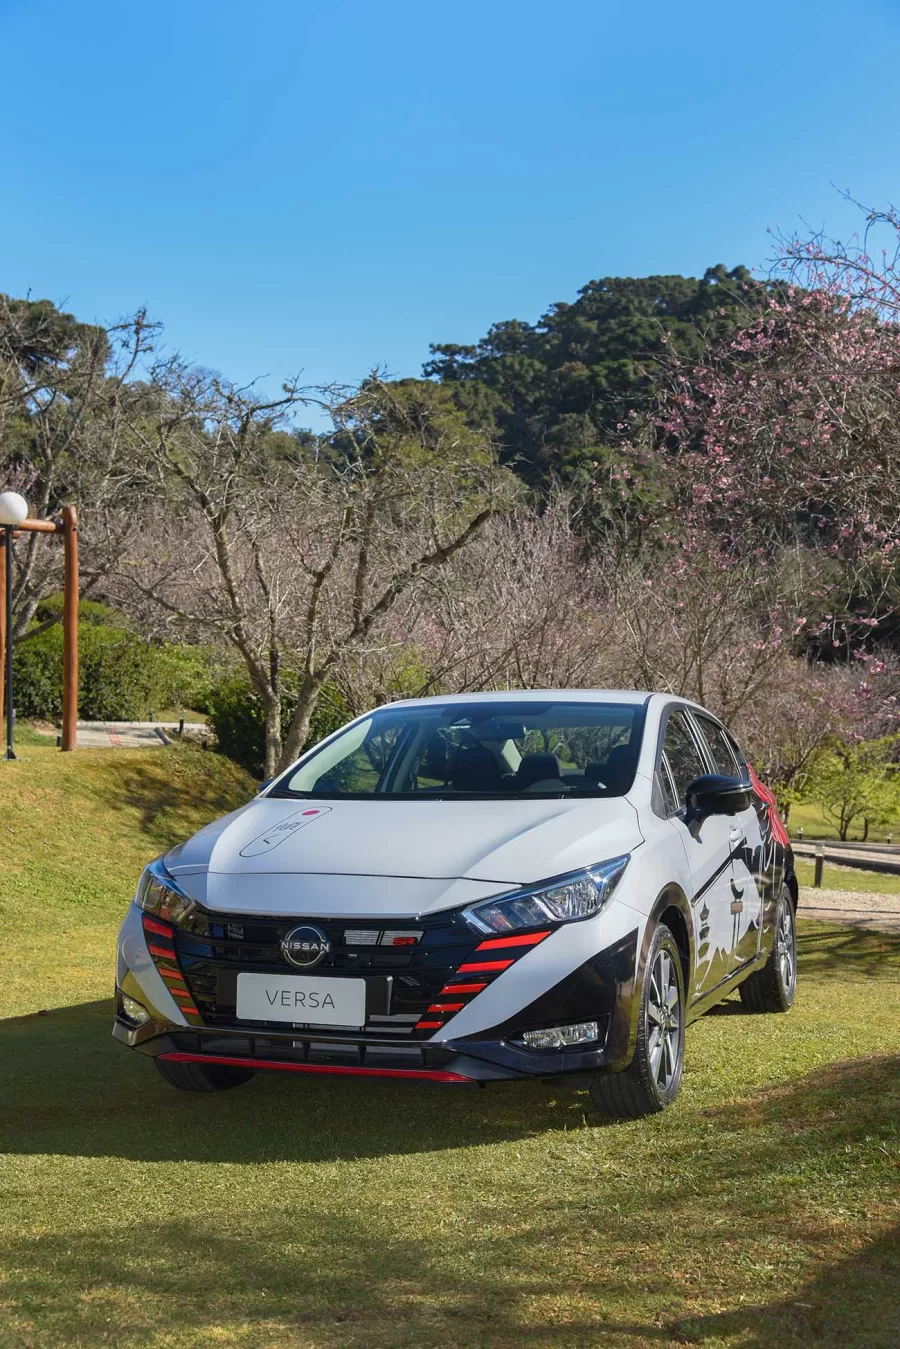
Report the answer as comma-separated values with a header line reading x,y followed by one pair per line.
x,y
474,769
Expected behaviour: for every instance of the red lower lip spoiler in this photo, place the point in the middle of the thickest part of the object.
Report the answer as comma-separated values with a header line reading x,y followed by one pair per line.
x,y
426,1074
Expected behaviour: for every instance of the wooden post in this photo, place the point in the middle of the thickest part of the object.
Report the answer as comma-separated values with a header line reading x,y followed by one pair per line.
x,y
2,631
70,628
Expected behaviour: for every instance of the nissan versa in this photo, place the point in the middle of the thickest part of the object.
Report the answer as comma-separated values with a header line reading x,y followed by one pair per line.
x,y
466,889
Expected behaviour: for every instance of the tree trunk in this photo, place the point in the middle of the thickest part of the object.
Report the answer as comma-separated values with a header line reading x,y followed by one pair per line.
x,y
298,731
273,735
865,837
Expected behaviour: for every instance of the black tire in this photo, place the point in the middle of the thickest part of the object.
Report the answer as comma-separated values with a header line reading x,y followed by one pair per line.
x,y
774,987
650,1082
203,1076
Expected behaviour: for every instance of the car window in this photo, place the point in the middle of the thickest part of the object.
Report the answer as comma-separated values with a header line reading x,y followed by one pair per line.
x,y
719,746
360,770
490,749
739,755
682,754
668,791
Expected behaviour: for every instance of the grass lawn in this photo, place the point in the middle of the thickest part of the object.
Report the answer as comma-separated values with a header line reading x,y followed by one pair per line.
x,y
762,1210
809,817
849,878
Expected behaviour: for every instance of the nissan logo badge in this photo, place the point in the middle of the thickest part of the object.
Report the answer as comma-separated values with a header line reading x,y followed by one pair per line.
x,y
305,946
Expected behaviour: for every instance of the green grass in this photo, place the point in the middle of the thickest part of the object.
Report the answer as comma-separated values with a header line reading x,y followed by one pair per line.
x,y
28,737
761,1210
809,817
849,878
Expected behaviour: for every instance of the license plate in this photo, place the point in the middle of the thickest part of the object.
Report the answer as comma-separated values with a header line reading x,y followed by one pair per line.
x,y
301,999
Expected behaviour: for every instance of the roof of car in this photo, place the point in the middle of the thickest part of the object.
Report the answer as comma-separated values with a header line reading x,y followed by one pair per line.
x,y
630,697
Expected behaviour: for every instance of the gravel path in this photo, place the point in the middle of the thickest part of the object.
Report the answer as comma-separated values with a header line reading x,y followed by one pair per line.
x,y
858,907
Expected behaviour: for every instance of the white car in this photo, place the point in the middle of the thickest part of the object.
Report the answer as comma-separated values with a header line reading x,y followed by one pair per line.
x,y
465,889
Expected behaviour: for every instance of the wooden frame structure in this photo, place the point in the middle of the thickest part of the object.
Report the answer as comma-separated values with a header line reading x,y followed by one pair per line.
x,y
67,526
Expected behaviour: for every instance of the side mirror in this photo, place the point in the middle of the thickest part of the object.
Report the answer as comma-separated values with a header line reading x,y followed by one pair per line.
x,y
716,794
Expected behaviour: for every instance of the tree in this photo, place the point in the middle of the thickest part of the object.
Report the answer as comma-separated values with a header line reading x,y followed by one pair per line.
x,y
786,437
298,555
857,782
66,397
563,389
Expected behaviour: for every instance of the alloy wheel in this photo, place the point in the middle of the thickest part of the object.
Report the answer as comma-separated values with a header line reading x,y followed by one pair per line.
x,y
785,947
664,1022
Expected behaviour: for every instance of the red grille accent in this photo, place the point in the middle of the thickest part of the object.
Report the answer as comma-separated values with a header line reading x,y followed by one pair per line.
x,y
428,1074
486,965
463,988
428,1025
446,1006
165,952
529,939
151,925
174,980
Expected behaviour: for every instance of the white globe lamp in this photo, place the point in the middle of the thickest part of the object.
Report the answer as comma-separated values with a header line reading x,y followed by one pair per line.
x,y
13,508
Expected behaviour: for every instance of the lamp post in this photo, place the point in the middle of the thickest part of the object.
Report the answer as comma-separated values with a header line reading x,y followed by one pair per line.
x,y
13,510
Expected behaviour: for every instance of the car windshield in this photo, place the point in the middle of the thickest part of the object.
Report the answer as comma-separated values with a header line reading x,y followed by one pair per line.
x,y
487,749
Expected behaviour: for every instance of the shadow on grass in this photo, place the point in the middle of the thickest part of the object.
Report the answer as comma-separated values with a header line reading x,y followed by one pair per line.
x,y
177,778
850,1303
70,1088
824,949
317,1260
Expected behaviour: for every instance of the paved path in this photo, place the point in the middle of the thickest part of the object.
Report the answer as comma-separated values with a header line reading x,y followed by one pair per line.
x,y
131,734
857,907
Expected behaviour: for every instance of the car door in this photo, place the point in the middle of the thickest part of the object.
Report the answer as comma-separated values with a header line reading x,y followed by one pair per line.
x,y
708,849
747,845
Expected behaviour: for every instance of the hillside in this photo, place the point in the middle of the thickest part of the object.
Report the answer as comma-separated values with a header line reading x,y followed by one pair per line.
x,y
75,831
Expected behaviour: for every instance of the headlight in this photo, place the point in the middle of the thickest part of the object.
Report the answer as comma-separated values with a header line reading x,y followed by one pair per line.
x,y
565,900
158,893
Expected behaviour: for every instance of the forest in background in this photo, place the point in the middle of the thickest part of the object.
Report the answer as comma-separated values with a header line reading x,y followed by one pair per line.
x,y
678,483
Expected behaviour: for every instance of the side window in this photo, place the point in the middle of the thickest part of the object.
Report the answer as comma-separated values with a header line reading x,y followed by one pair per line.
x,y
743,766
672,804
719,746
682,754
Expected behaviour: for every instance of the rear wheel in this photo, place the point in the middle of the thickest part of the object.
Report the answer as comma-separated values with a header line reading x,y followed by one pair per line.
x,y
774,987
203,1076
651,1080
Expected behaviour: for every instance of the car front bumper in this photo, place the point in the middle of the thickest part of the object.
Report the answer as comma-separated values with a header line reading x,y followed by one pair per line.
x,y
600,989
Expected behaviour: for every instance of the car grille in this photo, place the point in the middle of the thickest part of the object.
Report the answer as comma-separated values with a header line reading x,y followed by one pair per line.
x,y
406,966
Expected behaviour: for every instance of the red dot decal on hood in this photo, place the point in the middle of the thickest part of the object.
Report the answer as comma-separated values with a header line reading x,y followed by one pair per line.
x,y
281,830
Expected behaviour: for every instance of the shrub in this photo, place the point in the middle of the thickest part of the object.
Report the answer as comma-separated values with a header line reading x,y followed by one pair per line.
x,y
237,717
121,677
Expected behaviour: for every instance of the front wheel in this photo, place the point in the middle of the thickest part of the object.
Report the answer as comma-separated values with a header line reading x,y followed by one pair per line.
x,y
651,1080
774,987
203,1076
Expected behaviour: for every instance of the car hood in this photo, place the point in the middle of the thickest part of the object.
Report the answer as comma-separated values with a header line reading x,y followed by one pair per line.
x,y
431,853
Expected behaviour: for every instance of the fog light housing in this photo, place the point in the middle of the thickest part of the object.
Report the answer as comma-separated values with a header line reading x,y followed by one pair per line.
x,y
132,1010
560,1037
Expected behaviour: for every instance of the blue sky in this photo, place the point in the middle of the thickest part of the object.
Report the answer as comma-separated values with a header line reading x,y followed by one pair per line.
x,y
331,186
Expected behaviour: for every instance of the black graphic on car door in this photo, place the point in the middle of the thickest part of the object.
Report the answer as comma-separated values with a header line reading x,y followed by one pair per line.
x,y
708,848
745,842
